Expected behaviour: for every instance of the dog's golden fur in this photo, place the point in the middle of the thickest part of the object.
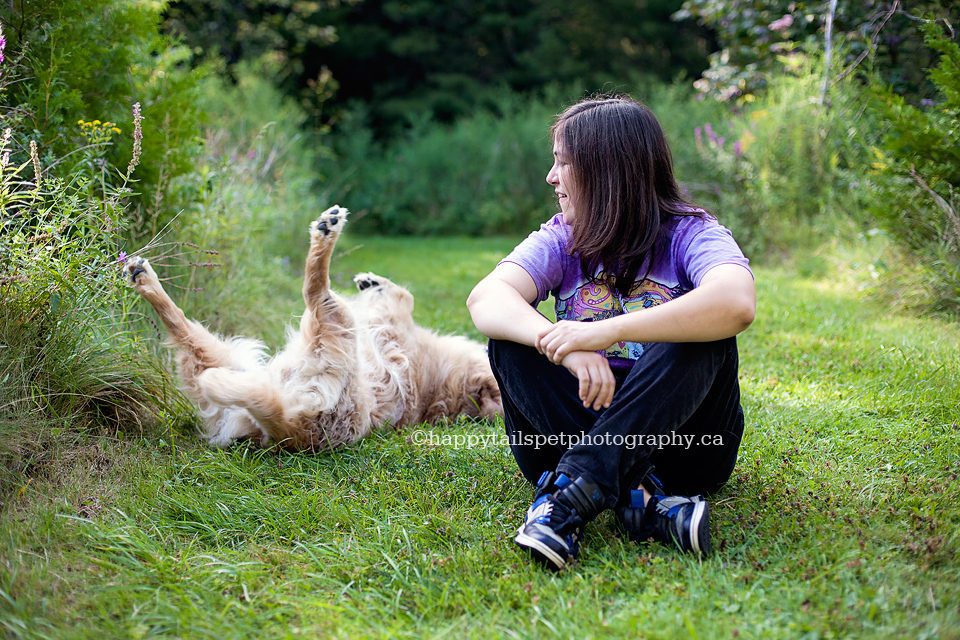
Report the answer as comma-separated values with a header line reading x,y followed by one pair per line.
x,y
356,363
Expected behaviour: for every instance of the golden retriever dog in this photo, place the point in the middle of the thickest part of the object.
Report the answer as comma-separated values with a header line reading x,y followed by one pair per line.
x,y
357,362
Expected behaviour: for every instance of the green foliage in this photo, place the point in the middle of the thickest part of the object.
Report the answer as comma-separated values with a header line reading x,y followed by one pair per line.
x,y
784,171
916,173
755,36
481,175
249,30
484,174
91,60
442,59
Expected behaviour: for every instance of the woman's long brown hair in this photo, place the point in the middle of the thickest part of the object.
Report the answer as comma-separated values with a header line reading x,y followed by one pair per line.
x,y
625,190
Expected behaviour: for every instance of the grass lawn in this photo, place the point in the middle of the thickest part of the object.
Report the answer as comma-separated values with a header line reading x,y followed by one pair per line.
x,y
842,518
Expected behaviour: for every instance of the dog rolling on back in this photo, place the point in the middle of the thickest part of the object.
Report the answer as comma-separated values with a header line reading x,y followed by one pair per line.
x,y
356,363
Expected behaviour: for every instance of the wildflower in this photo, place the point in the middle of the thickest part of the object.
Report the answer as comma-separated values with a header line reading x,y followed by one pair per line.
x,y
122,258
137,138
738,148
710,134
36,162
5,158
782,24
3,44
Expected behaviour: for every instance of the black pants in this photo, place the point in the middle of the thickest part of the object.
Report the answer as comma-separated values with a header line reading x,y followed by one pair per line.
x,y
677,411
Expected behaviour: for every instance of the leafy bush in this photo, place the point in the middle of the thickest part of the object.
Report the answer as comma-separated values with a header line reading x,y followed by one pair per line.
x,y
916,172
89,60
482,175
485,174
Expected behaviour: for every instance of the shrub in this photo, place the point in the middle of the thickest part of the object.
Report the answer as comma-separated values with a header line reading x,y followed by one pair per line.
x,y
915,172
90,60
483,175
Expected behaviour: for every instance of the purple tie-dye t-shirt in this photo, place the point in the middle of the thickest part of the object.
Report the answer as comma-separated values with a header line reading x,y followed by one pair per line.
x,y
696,246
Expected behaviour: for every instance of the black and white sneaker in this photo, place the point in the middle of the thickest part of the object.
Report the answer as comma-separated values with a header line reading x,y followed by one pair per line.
x,y
677,520
553,526
683,522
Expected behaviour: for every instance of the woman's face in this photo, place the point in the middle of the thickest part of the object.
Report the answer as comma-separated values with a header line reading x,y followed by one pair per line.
x,y
560,178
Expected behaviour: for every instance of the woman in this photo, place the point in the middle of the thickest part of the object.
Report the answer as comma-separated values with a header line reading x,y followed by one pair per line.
x,y
650,292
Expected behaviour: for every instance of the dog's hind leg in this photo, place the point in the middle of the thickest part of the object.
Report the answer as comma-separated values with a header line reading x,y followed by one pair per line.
x,y
198,350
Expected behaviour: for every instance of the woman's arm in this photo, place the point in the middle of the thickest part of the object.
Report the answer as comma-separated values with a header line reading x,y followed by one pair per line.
x,y
722,306
500,306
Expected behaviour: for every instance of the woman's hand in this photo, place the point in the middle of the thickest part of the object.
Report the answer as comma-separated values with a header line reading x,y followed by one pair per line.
x,y
565,337
597,383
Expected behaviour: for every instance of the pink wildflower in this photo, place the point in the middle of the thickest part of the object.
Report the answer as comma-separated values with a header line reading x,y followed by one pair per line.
x,y
782,24
122,258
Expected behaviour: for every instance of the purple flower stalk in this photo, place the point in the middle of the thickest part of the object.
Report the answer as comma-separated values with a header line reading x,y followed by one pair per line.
x,y
710,134
122,258
137,138
3,44
738,148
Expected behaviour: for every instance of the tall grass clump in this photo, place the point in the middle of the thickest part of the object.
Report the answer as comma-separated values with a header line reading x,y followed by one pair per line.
x,y
783,166
69,366
233,256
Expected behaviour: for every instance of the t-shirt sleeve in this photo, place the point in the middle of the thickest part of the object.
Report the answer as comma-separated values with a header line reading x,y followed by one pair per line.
x,y
543,255
703,245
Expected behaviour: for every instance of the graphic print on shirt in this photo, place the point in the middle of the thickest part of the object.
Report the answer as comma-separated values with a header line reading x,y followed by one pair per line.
x,y
598,300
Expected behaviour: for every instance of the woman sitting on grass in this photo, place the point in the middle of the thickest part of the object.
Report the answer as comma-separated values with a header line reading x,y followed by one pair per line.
x,y
650,291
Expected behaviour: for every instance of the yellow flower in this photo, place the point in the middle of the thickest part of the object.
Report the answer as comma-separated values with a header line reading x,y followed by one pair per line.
x,y
96,122
80,122
116,130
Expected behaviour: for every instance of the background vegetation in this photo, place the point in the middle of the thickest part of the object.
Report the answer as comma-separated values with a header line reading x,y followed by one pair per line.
x,y
824,135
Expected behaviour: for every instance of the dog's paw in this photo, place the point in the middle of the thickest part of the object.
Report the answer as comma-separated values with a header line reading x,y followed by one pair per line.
x,y
330,222
139,271
367,280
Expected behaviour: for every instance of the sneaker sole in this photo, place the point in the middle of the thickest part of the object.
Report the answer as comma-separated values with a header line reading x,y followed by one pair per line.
x,y
700,529
540,551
